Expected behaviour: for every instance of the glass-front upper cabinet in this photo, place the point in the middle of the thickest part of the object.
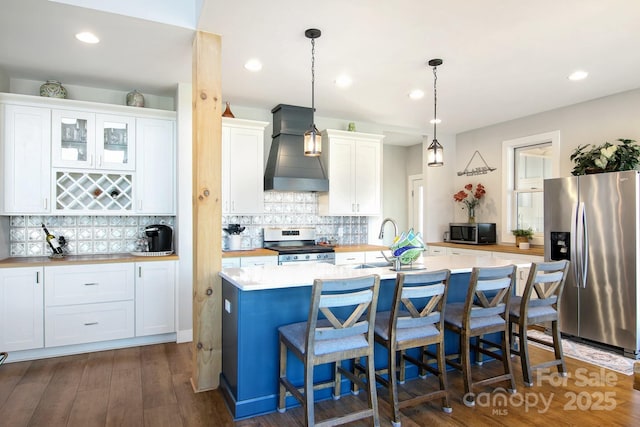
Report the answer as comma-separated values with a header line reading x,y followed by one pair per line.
x,y
92,141
115,142
73,139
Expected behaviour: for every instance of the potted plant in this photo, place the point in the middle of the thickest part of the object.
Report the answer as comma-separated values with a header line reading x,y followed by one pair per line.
x,y
606,157
522,235
235,239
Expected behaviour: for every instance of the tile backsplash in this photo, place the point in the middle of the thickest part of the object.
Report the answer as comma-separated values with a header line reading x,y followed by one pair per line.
x,y
121,234
297,209
84,234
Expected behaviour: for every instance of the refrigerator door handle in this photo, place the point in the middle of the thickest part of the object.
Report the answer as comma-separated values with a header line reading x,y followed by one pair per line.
x,y
584,244
574,255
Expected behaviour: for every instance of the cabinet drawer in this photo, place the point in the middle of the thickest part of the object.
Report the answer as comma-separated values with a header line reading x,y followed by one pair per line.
x,y
343,258
81,284
86,323
256,261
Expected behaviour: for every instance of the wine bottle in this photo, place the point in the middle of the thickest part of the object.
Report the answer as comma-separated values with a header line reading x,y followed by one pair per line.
x,y
52,241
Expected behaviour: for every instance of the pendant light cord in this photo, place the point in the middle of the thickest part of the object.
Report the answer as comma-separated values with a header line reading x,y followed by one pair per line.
x,y
435,102
313,81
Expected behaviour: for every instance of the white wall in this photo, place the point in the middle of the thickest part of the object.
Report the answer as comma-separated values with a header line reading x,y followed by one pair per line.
x,y
394,190
184,219
4,81
438,189
592,122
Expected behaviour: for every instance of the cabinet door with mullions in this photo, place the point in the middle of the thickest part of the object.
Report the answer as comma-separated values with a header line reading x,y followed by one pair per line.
x,y
72,139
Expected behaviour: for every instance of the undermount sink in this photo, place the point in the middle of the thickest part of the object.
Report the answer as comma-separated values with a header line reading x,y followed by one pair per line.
x,y
408,267
373,265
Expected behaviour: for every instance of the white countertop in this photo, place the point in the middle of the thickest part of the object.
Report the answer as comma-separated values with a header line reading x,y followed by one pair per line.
x,y
287,276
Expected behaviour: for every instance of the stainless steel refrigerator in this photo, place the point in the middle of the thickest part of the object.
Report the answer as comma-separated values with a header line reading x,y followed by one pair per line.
x,y
592,220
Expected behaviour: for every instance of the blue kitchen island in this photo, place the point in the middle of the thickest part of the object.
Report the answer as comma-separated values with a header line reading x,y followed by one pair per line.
x,y
258,300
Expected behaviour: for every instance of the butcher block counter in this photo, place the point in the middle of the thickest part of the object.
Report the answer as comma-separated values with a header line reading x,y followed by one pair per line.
x,y
80,259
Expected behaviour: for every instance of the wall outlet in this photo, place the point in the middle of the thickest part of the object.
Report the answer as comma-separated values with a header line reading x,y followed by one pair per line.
x,y
340,231
227,306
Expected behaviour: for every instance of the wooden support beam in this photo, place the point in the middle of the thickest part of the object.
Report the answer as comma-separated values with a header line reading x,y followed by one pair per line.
x,y
207,211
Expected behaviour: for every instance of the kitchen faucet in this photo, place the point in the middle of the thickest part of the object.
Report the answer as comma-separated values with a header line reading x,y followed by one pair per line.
x,y
395,262
395,228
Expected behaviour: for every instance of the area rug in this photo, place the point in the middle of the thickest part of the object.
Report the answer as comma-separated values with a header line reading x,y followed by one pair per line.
x,y
590,354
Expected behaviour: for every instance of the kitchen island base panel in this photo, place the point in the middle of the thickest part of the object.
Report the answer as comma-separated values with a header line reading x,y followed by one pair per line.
x,y
250,350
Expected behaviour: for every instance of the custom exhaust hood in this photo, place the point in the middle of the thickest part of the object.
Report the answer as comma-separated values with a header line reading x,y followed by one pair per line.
x,y
288,169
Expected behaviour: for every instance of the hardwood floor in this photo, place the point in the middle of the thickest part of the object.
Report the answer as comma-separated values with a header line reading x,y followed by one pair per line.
x,y
150,386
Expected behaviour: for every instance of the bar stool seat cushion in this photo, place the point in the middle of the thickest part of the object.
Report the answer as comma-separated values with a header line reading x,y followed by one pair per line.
x,y
535,310
455,312
296,334
403,334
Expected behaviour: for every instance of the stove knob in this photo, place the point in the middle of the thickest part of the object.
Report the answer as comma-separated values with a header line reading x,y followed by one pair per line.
x,y
308,256
295,257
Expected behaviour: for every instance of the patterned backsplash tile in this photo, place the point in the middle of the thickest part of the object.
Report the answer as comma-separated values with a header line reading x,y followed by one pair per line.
x,y
121,234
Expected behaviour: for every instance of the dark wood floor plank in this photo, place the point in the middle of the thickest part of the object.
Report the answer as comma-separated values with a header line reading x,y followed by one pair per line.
x,y
163,416
151,386
89,408
56,401
10,376
198,409
126,358
125,399
157,385
18,409
179,358
97,371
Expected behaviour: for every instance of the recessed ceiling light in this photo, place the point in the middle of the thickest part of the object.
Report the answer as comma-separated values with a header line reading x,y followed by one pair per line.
x,y
343,81
578,75
253,65
435,121
416,94
87,37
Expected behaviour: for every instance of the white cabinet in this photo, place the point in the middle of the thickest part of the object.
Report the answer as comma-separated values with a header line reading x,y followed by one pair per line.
x,y
473,252
249,261
254,261
21,308
83,139
26,159
354,164
88,303
155,178
346,258
155,297
376,256
242,166
437,250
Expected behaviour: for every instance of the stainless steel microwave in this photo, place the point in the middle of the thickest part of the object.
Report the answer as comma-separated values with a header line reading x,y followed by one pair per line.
x,y
481,233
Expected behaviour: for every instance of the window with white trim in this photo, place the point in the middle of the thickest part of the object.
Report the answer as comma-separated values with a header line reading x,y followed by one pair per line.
x,y
527,162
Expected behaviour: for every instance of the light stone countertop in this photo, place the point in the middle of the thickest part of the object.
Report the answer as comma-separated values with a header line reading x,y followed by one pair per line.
x,y
287,276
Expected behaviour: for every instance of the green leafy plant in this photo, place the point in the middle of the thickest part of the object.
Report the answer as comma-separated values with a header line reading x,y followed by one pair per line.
x,y
520,232
606,157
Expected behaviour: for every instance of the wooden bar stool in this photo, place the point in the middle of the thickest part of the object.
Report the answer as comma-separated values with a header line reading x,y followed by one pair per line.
x,y
484,311
345,332
416,320
547,280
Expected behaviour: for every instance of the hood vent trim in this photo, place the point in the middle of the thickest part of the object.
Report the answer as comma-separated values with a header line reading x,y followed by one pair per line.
x,y
288,169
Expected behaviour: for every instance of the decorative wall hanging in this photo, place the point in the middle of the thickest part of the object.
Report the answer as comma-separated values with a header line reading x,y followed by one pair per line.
x,y
478,170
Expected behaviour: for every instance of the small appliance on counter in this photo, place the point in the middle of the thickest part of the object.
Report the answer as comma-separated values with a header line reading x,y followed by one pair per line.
x,y
481,233
160,238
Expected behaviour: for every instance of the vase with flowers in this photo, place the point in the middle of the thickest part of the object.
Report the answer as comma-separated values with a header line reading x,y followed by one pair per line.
x,y
471,198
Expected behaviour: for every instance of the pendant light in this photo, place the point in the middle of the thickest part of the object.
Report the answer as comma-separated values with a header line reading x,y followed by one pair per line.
x,y
435,155
312,138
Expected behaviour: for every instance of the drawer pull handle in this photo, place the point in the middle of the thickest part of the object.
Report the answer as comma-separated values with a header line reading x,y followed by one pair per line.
x,y
90,323
92,284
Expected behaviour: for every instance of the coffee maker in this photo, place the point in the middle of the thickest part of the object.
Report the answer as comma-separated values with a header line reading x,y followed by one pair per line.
x,y
160,238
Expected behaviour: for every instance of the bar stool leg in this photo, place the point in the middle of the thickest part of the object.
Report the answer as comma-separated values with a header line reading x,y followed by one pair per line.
x,y
442,376
283,373
557,348
524,355
465,361
308,395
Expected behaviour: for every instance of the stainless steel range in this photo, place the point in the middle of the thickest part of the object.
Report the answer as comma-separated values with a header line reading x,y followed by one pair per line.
x,y
297,245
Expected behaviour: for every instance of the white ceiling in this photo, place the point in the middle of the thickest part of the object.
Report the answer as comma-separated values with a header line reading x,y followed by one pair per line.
x,y
503,59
